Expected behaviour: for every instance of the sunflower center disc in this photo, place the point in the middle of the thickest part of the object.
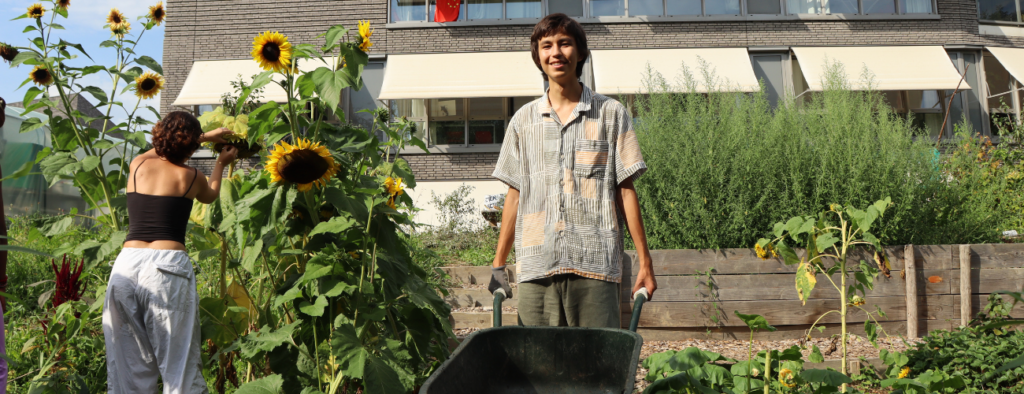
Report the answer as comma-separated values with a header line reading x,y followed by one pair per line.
x,y
271,51
158,14
304,166
40,75
148,85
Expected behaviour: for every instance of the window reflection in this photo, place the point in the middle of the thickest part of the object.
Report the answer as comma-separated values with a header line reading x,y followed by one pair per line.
x,y
997,10
408,10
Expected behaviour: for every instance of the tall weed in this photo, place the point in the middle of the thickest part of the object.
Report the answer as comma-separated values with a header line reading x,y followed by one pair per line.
x,y
723,167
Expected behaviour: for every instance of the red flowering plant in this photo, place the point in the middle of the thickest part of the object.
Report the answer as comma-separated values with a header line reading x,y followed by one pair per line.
x,y
68,286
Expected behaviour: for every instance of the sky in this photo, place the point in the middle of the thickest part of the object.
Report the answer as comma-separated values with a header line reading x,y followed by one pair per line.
x,y
84,26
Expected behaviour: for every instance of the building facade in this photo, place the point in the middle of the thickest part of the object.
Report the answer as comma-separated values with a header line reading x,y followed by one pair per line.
x,y
462,80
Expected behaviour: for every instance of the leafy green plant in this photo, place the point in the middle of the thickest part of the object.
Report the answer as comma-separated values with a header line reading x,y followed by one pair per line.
x,y
710,186
689,370
706,286
94,161
829,239
984,355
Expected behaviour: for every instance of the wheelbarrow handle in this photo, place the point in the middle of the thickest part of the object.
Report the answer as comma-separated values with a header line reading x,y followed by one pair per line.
x,y
499,297
639,298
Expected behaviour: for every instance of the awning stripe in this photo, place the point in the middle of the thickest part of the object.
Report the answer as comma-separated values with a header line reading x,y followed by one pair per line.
x,y
1012,60
891,67
209,79
624,71
461,75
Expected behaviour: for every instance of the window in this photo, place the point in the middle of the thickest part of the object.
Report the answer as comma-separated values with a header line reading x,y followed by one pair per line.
x,y
770,71
608,7
460,121
770,7
414,110
408,10
967,103
1003,97
999,10
484,9
423,10
926,110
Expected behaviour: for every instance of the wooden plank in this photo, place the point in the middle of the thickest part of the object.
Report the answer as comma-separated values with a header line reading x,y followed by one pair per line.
x,y
965,285
783,312
745,261
475,297
476,274
782,286
893,328
979,301
987,281
911,292
985,256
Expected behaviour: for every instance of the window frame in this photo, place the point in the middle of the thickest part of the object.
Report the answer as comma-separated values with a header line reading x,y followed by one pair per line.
x,y
1019,22
627,17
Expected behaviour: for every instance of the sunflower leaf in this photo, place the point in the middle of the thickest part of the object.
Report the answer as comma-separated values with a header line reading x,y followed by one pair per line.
x,y
149,62
21,57
329,85
333,35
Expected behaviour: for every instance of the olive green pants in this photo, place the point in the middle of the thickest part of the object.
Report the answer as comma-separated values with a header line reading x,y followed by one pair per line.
x,y
569,300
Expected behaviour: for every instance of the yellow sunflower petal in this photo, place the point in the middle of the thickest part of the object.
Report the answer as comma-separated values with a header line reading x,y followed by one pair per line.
x,y
148,85
272,51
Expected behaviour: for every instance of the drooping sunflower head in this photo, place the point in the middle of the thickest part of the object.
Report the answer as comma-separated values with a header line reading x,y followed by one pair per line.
x,y
148,85
272,51
763,254
364,36
157,13
305,164
116,20
122,30
36,11
904,372
64,4
41,76
786,378
8,52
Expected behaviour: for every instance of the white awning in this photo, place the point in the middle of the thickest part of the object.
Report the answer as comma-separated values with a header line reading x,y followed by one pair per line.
x,y
893,68
209,79
1012,60
451,75
623,71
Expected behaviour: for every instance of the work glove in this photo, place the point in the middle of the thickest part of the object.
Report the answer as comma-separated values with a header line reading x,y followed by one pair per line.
x,y
499,280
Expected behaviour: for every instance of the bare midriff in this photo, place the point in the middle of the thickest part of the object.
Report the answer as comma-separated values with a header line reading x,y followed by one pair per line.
x,y
162,244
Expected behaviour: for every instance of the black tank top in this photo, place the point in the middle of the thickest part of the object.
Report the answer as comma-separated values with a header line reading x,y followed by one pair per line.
x,y
158,218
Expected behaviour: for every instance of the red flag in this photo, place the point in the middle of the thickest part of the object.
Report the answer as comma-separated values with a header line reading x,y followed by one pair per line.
x,y
447,11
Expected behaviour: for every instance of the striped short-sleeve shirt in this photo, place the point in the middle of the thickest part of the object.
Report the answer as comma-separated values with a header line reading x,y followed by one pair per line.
x,y
567,174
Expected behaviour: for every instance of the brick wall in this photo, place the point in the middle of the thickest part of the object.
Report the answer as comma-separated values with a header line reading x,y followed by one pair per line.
x,y
205,30
465,166
205,164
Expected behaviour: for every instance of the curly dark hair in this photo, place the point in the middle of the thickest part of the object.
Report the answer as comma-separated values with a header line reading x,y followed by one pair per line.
x,y
176,136
559,23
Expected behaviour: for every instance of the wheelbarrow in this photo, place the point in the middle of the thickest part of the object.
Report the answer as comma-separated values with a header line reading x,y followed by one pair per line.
x,y
540,360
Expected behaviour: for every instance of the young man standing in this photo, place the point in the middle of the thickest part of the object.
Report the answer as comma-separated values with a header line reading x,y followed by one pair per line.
x,y
569,160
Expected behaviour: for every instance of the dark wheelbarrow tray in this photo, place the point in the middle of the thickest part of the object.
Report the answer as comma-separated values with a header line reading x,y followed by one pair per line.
x,y
540,360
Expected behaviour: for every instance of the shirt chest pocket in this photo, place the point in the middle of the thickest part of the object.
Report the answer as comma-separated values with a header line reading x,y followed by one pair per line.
x,y
591,158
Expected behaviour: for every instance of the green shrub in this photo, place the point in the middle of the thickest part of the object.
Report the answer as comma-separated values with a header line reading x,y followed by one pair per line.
x,y
974,353
723,167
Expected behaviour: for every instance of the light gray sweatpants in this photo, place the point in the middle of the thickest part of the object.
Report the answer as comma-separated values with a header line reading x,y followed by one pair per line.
x,y
151,323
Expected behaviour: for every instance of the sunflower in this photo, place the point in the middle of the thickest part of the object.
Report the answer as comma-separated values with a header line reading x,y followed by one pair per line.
x,y
8,52
395,188
148,85
786,378
116,20
157,13
41,76
364,35
306,163
272,51
121,32
36,11
64,4
904,372
763,254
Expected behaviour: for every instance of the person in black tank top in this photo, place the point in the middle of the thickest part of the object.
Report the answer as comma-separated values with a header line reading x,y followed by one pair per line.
x,y
150,317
